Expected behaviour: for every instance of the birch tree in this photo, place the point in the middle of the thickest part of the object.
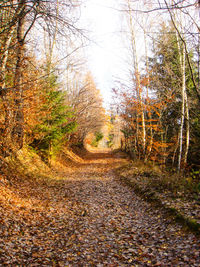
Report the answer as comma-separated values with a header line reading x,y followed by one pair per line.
x,y
137,78
182,61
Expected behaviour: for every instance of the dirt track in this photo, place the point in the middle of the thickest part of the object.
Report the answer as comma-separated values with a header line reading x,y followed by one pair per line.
x,y
91,219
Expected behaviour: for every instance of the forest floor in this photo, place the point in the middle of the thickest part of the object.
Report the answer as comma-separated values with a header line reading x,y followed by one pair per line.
x,y
88,218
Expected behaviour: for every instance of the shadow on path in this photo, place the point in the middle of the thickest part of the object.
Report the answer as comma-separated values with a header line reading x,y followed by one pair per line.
x,y
91,219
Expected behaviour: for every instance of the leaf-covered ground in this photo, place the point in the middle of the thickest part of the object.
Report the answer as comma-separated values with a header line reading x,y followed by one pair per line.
x,y
170,191
88,218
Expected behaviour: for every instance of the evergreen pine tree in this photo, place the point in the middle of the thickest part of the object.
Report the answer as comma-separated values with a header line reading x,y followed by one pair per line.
x,y
55,125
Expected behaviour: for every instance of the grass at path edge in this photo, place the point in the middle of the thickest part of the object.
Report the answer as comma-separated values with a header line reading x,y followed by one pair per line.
x,y
151,196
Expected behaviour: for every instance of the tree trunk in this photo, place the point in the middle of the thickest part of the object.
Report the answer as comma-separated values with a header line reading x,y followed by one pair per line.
x,y
5,140
17,127
182,59
147,98
187,129
138,82
183,94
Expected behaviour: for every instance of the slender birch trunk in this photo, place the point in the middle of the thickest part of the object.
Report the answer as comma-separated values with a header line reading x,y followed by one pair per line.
x,y
147,97
184,107
187,129
183,93
138,82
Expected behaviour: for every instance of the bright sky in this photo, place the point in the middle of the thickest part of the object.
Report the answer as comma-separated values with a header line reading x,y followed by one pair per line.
x,y
107,56
104,58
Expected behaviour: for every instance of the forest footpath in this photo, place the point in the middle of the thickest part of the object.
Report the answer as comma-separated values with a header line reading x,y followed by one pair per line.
x,y
88,218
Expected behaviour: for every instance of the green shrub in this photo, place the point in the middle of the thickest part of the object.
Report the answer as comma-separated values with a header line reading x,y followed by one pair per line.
x,y
98,137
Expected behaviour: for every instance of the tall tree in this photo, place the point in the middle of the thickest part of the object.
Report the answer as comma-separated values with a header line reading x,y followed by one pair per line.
x,y
55,123
88,105
18,19
137,76
171,79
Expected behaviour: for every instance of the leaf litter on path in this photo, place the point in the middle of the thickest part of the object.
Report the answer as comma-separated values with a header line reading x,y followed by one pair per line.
x,y
89,219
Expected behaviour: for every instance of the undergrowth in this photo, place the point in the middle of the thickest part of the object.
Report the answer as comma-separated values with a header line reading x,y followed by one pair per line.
x,y
153,177
26,164
178,194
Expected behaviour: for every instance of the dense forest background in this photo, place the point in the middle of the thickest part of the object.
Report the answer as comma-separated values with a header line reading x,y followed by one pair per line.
x,y
48,101
159,99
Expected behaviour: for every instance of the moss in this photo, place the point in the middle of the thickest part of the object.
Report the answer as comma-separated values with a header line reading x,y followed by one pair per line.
x,y
150,195
192,224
